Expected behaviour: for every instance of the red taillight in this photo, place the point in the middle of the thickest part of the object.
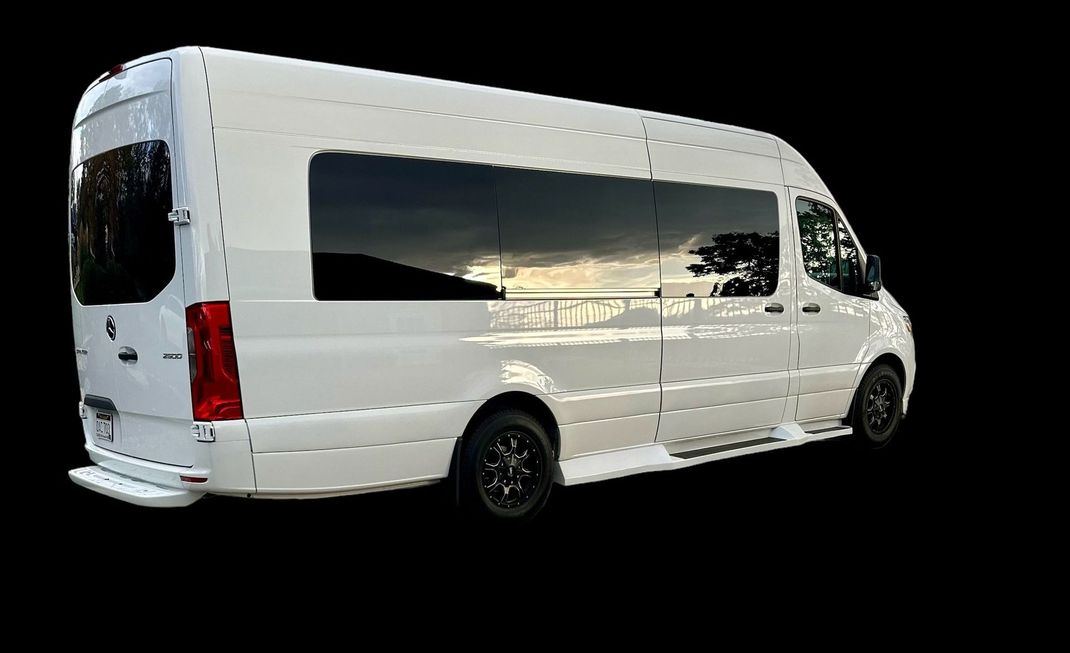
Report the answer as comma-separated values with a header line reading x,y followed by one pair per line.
x,y
213,366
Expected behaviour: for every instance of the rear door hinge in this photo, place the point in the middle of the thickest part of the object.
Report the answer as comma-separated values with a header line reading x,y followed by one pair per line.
x,y
179,215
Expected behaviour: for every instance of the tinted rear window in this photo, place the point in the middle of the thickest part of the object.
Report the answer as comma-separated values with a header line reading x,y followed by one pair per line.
x,y
391,228
571,231
122,244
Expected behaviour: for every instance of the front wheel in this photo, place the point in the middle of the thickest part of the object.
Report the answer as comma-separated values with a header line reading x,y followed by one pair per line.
x,y
506,467
878,407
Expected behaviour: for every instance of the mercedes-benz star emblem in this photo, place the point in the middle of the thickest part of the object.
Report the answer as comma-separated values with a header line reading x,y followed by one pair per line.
x,y
109,326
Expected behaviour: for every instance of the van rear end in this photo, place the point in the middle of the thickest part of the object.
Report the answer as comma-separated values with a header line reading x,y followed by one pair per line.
x,y
161,404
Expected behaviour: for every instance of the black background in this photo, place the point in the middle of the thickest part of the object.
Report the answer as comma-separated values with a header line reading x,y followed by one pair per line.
x,y
871,112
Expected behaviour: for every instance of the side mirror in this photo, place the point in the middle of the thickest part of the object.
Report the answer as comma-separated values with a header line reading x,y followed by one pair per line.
x,y
873,277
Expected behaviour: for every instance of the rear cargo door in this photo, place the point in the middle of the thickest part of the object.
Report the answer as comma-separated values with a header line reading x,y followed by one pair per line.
x,y
126,281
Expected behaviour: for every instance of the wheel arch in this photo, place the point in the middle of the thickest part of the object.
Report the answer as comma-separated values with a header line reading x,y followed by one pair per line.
x,y
526,402
889,358
892,360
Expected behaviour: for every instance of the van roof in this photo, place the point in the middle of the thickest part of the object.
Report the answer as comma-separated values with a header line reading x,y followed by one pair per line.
x,y
462,98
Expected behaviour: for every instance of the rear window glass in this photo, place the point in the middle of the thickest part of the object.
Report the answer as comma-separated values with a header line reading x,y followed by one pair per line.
x,y
122,244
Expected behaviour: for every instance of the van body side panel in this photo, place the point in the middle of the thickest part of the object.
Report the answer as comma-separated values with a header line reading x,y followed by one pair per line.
x,y
725,357
291,85
329,471
300,356
205,270
688,152
797,172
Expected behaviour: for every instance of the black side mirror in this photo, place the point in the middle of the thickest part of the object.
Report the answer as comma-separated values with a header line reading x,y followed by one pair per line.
x,y
873,277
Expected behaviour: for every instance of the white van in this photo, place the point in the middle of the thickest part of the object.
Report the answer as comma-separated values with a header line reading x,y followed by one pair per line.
x,y
292,279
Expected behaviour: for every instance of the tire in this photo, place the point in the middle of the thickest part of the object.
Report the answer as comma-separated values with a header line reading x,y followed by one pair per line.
x,y
878,407
506,467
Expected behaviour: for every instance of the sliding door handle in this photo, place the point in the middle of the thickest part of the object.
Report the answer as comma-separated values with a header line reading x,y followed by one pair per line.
x,y
774,308
811,308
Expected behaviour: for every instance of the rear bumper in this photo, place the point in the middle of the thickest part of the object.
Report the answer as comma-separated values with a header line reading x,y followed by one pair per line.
x,y
226,466
132,490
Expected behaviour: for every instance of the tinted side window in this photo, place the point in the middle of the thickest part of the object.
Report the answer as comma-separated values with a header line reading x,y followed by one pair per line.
x,y
571,231
716,241
850,265
122,244
817,234
405,229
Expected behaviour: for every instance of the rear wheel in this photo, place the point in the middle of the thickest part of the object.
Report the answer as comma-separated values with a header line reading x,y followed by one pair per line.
x,y
506,467
878,407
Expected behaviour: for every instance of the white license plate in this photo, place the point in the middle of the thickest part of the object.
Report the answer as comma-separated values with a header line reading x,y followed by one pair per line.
x,y
104,427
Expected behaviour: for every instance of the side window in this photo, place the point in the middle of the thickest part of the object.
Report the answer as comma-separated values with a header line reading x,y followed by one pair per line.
x,y
571,231
717,241
817,235
391,228
850,266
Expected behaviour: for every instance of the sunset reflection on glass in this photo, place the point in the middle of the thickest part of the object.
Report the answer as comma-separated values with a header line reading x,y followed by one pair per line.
x,y
403,229
717,241
562,230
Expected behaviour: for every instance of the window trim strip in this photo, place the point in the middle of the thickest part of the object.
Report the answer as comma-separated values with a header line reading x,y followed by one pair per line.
x,y
581,293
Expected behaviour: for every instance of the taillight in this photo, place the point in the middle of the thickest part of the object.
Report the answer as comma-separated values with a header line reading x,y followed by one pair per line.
x,y
213,366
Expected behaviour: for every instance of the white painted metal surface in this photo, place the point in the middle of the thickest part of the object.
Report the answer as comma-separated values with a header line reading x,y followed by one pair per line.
x,y
342,397
359,468
151,397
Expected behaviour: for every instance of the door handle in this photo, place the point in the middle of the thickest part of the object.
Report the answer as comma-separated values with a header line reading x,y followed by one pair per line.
x,y
774,308
127,355
811,308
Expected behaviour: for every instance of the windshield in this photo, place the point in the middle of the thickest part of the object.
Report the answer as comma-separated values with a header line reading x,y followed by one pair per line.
x,y
122,244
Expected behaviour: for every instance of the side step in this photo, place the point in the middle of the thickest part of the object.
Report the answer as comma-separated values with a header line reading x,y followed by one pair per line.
x,y
131,490
655,457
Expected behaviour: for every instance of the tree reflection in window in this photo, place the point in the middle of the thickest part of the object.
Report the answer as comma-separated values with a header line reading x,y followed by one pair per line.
x,y
747,263
850,265
717,241
817,234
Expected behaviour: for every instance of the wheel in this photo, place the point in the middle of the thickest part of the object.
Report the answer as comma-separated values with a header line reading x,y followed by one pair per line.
x,y
506,467
878,407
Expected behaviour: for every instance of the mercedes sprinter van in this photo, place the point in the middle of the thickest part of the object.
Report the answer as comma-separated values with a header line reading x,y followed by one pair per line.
x,y
293,279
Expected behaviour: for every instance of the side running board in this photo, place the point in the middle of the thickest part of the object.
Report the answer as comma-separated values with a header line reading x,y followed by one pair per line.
x,y
655,457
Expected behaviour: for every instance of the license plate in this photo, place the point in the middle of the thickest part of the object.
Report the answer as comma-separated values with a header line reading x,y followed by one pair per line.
x,y
104,427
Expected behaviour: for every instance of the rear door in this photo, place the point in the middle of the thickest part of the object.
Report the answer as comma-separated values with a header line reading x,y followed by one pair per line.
x,y
126,286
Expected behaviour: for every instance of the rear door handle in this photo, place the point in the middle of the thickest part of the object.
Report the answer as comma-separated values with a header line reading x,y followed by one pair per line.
x,y
774,308
811,308
127,355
